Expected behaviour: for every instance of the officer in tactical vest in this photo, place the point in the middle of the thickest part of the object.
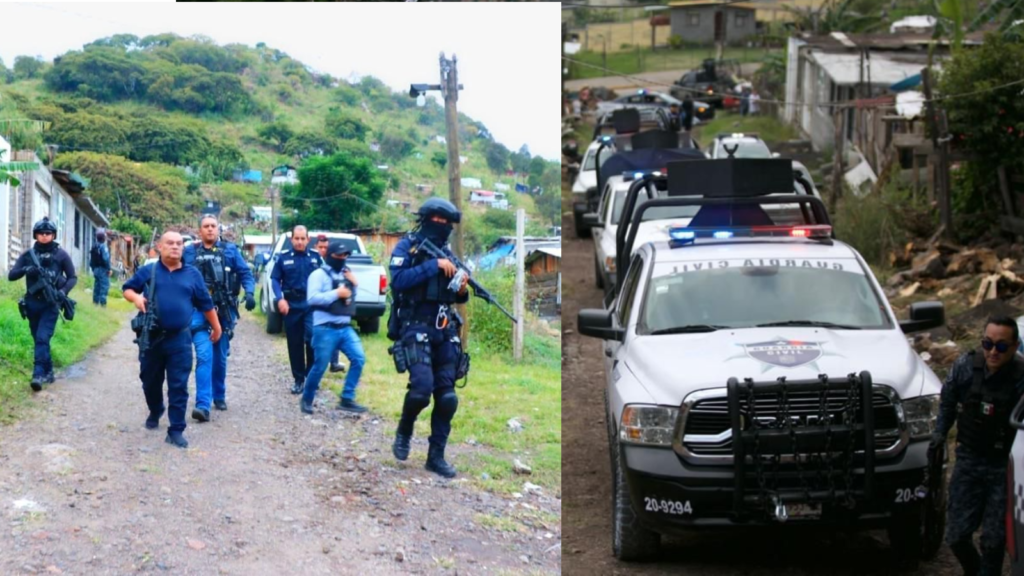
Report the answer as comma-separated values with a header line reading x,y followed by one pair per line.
x,y
984,385
224,272
49,277
289,279
99,261
426,326
331,295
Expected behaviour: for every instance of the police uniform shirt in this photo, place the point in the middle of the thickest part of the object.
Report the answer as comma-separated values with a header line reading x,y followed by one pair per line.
x,y
292,271
178,292
407,274
958,385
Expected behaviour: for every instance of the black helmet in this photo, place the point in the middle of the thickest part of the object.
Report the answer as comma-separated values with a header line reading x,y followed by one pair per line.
x,y
440,207
44,225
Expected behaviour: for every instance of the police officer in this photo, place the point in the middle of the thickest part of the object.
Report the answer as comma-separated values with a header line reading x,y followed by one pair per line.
x,y
985,384
178,292
99,261
686,116
321,248
289,282
44,263
224,271
425,323
331,294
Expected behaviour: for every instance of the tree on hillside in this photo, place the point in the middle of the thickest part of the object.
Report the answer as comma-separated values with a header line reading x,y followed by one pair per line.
x,y
520,160
153,193
26,67
395,144
310,143
1009,14
536,171
276,133
334,192
343,124
497,156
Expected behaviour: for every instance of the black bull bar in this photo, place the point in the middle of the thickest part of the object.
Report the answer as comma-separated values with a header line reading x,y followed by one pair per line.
x,y
826,447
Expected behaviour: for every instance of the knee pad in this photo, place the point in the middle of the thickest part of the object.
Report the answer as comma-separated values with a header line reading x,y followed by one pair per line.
x,y
446,404
415,403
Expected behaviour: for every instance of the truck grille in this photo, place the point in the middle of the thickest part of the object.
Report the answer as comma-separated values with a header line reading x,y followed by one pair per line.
x,y
708,433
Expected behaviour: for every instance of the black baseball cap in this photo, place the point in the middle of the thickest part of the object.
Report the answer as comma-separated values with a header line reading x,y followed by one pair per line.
x,y
336,246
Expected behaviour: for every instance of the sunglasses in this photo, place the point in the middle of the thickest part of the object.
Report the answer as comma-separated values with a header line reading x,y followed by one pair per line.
x,y
1000,347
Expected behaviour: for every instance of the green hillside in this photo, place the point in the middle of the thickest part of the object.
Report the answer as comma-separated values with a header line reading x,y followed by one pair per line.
x,y
160,123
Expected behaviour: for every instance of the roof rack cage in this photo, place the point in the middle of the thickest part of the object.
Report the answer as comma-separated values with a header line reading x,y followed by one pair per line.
x,y
813,208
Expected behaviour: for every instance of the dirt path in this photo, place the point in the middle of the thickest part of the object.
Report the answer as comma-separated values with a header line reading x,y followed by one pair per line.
x,y
587,482
86,489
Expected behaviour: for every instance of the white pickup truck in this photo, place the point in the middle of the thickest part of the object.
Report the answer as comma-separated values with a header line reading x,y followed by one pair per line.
x,y
370,296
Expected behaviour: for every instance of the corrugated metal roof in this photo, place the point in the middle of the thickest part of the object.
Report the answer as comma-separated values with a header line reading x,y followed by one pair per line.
x,y
844,69
703,3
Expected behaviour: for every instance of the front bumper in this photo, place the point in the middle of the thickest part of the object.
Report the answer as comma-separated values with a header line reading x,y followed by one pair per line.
x,y
700,496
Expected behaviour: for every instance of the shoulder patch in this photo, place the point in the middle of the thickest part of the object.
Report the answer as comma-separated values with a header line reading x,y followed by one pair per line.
x,y
397,260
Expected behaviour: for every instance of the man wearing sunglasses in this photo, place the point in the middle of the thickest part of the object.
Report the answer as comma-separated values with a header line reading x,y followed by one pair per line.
x,y
980,391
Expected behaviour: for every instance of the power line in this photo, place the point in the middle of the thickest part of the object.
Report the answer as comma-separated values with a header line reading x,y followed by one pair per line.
x,y
848,104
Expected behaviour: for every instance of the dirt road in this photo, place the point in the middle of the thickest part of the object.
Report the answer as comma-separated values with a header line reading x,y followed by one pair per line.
x,y
86,489
587,484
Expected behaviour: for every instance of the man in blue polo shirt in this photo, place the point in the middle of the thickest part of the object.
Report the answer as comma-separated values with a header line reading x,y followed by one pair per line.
x,y
178,289
331,294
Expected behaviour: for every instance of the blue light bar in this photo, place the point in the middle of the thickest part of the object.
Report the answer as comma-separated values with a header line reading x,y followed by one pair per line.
x,y
686,235
723,234
681,234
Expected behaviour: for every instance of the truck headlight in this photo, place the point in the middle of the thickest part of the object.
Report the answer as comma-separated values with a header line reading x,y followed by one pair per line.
x,y
648,425
921,414
609,264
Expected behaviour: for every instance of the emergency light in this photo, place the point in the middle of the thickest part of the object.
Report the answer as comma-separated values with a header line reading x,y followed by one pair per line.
x,y
630,176
685,235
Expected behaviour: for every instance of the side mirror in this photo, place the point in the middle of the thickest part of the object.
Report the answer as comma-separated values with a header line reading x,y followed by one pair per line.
x,y
598,324
924,316
590,220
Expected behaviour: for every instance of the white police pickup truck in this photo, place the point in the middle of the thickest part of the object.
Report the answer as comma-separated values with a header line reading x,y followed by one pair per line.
x,y
370,297
755,375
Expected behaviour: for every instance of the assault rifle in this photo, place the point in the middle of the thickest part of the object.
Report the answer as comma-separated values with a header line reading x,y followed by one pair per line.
x,y
478,290
145,323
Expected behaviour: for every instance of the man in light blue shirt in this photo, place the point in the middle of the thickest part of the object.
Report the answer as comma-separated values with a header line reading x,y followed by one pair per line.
x,y
331,295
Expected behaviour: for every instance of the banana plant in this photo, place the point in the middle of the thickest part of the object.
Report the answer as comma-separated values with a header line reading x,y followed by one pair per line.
x,y
950,22
8,168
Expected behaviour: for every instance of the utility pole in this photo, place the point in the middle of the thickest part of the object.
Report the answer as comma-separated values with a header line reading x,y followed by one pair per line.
x,y
450,89
273,216
939,154
519,305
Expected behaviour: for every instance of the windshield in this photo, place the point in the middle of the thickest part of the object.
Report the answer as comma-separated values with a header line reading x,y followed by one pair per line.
x,y
747,293
747,149
588,162
349,243
660,213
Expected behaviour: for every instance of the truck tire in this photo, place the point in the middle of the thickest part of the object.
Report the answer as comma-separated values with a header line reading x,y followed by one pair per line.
x,y
906,537
369,325
934,521
274,321
598,278
577,220
631,542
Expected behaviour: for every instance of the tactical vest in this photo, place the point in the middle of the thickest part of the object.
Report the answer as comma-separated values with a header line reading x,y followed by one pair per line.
x,y
984,421
433,291
340,307
214,268
48,261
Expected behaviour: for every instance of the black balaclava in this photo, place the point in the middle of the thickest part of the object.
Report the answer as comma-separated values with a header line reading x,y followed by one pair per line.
x,y
337,247
41,248
436,232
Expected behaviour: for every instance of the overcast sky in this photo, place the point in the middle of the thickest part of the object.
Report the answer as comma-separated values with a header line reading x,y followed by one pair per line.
x,y
507,53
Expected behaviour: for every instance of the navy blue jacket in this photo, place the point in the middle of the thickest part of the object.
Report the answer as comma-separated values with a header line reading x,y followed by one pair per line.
x,y
954,391
232,258
178,293
292,270
66,278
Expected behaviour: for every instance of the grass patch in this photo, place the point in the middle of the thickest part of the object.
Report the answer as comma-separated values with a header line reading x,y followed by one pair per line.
x,y
646,60
71,340
770,129
498,389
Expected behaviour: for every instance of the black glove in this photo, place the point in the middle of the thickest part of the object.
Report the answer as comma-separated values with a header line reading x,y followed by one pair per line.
x,y
250,302
32,272
935,447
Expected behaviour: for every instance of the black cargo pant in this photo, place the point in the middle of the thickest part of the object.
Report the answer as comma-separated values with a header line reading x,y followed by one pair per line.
x,y
300,352
977,499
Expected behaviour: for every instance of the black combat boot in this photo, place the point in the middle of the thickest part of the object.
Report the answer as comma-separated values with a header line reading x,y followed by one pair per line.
x,y
306,407
968,556
49,378
176,439
37,382
297,387
400,447
992,561
201,415
220,404
436,463
351,406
